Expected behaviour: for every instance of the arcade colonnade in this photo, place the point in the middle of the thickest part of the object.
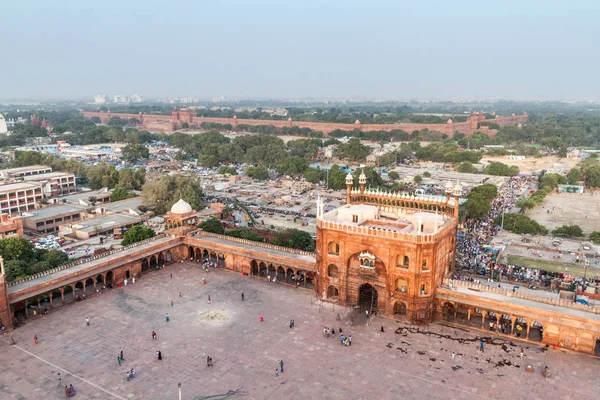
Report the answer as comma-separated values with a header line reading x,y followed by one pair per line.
x,y
281,272
82,287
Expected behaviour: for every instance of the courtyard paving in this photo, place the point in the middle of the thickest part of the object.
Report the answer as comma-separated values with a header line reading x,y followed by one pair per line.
x,y
404,362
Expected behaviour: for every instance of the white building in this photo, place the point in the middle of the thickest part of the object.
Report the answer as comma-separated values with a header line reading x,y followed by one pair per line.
x,y
136,98
100,99
119,98
3,127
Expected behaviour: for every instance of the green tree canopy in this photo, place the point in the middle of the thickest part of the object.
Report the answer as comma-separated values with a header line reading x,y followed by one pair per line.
x,y
500,169
136,234
353,150
574,175
294,238
260,173
569,231
212,225
521,224
466,167
245,233
162,193
133,153
393,175
119,194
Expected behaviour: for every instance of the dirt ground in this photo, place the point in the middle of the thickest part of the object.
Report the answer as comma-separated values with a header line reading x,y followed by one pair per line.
x,y
569,209
530,164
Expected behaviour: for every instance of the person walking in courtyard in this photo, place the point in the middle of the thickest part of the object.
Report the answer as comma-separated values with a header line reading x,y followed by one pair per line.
x,y
67,391
167,318
340,330
342,338
281,365
121,354
522,353
35,339
153,335
367,314
481,345
119,359
159,355
350,340
87,321
209,299
453,357
59,378
242,296
276,373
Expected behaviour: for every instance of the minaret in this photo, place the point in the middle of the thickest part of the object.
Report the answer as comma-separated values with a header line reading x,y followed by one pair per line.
x,y
362,181
456,192
5,318
349,183
320,207
448,191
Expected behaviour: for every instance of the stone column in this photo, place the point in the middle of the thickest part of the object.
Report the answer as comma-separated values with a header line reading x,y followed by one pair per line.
x,y
483,312
62,296
50,300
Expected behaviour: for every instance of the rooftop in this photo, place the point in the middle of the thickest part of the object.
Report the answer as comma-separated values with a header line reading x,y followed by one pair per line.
x,y
45,213
17,170
105,222
47,176
11,187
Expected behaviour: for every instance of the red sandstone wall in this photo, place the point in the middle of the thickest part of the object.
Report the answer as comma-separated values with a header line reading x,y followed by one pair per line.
x,y
149,121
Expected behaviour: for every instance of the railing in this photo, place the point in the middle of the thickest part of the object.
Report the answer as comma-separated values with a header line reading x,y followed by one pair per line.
x,y
384,233
525,296
84,260
252,243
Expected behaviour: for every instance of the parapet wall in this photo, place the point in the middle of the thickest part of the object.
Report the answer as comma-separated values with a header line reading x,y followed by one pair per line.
x,y
525,296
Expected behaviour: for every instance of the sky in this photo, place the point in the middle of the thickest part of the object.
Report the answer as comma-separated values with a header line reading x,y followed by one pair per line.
x,y
284,49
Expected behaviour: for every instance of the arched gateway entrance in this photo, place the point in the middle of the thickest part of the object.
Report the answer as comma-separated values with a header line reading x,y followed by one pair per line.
x,y
367,297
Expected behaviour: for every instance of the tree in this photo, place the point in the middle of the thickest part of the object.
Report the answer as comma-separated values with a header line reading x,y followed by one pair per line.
x,y
313,175
427,174
14,248
595,237
102,175
500,169
417,179
568,230
15,270
137,234
353,150
526,203
294,238
520,224
245,233
292,166
373,177
162,193
466,168
225,170
260,173
574,175
212,225
393,175
131,179
486,191
119,194
56,258
133,153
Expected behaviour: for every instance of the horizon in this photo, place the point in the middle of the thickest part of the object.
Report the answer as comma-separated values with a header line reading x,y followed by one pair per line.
x,y
301,50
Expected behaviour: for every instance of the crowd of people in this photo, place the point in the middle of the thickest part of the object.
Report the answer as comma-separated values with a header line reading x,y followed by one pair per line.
x,y
470,252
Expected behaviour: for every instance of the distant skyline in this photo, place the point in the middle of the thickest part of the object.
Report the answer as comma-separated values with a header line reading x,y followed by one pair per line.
x,y
318,49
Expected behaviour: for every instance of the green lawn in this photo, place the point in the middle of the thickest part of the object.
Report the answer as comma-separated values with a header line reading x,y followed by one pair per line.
x,y
536,263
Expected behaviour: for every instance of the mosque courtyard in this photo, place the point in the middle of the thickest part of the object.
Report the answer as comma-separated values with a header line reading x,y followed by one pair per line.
x,y
403,362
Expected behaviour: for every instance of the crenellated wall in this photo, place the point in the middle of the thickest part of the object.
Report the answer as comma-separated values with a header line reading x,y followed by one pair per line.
x,y
174,121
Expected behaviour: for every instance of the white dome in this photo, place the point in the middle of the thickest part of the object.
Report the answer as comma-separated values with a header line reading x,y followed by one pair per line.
x,y
181,207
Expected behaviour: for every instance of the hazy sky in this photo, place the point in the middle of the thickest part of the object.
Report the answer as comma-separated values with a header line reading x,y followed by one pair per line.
x,y
526,49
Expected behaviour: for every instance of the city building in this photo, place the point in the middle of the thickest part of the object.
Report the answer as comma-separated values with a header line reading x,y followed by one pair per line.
x,y
24,171
54,183
10,227
19,197
3,126
120,99
100,99
136,98
48,220
103,225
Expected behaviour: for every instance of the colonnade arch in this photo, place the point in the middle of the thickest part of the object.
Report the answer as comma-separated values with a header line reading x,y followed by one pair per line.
x,y
282,274
493,321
